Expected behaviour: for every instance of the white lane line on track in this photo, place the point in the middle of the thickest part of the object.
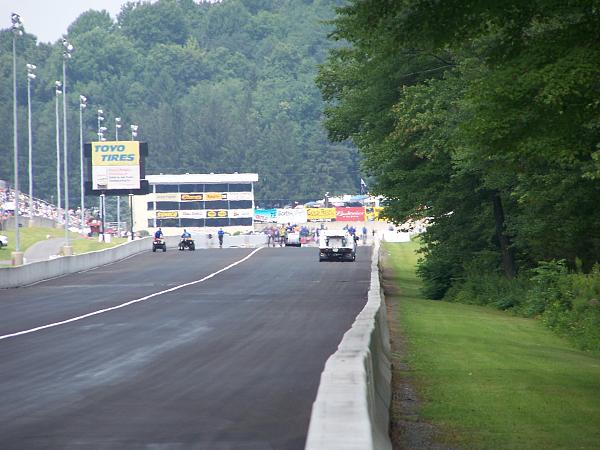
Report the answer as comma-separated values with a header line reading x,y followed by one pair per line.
x,y
123,305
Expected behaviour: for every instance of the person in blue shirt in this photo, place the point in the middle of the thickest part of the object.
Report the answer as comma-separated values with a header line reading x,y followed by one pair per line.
x,y
158,234
185,234
220,234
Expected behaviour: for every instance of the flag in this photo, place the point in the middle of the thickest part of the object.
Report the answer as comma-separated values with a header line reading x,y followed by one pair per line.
x,y
363,186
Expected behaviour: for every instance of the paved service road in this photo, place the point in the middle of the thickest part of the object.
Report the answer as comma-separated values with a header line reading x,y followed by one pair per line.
x,y
232,362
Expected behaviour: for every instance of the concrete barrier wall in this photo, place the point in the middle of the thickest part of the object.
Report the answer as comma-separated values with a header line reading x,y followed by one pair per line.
x,y
43,270
351,410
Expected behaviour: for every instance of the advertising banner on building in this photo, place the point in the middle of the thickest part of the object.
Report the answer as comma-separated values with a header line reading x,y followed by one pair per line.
x,y
165,197
240,196
167,214
211,214
265,215
115,165
193,214
191,197
209,196
241,213
289,215
350,214
316,214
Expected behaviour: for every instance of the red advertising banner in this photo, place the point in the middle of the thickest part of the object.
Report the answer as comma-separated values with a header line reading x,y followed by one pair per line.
x,y
349,214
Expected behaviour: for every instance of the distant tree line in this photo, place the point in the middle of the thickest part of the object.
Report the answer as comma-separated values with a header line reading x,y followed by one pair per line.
x,y
214,87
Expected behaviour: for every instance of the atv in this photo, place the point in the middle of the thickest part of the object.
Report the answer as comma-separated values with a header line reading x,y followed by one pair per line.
x,y
188,243
159,243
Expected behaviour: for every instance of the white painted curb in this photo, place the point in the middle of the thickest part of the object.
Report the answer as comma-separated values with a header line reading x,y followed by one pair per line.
x,y
351,410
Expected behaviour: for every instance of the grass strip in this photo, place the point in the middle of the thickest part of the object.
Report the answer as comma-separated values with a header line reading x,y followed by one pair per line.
x,y
490,380
29,236
86,245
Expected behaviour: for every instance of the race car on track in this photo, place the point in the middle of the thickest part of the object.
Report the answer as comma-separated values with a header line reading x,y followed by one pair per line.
x,y
337,245
292,239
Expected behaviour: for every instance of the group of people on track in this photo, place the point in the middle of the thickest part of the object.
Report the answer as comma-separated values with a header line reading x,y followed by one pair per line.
x,y
277,234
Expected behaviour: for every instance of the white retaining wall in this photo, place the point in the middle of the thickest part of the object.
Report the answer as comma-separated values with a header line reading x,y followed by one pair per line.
x,y
31,273
351,410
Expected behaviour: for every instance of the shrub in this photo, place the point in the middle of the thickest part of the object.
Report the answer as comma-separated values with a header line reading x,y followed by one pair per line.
x,y
579,317
545,289
566,303
490,289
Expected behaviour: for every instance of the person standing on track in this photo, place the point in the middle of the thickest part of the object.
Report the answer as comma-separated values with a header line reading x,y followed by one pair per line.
x,y
271,236
220,234
282,234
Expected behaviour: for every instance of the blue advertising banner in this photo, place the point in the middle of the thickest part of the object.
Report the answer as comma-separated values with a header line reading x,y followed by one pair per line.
x,y
265,215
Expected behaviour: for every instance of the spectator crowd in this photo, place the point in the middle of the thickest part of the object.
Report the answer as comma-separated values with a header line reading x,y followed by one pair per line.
x,y
41,209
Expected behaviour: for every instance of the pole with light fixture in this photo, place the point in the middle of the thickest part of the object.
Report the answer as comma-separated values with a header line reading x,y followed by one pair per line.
x,y
30,77
67,50
57,91
117,127
134,133
17,29
82,105
101,130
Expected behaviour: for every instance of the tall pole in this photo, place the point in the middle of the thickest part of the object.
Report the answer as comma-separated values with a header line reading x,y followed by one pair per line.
x,y
17,31
66,55
102,212
58,91
82,105
134,133
117,126
101,137
30,76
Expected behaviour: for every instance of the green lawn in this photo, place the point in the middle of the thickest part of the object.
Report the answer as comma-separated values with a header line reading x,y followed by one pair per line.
x,y
85,245
490,380
29,236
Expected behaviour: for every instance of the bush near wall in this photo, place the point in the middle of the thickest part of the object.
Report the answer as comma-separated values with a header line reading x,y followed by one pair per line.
x,y
567,303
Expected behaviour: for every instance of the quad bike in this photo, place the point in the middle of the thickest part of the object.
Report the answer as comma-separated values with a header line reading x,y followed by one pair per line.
x,y
188,243
159,243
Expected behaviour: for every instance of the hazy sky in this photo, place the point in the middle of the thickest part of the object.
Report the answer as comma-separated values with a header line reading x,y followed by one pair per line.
x,y
49,19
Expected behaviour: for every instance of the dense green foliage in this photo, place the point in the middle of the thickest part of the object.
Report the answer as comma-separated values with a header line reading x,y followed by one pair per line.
x,y
214,87
484,117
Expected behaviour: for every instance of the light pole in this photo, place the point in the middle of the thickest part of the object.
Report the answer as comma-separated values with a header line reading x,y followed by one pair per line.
x,y
82,105
58,91
100,120
117,127
67,50
30,77
134,133
17,29
101,137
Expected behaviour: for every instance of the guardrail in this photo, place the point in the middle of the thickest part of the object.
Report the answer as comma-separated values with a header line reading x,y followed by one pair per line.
x,y
351,410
